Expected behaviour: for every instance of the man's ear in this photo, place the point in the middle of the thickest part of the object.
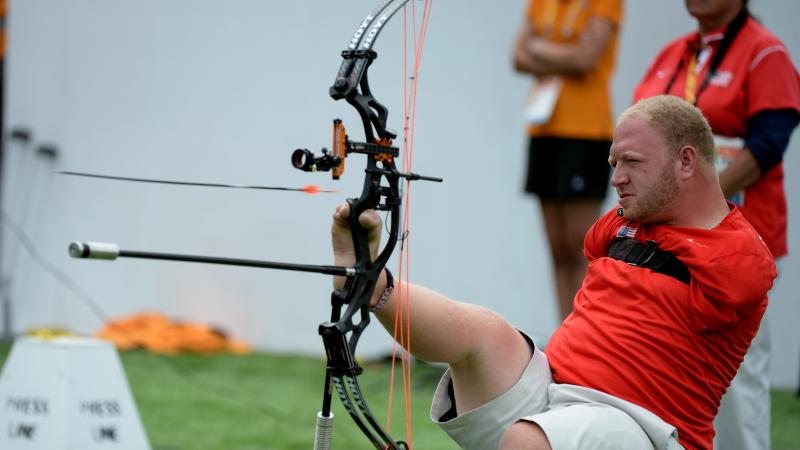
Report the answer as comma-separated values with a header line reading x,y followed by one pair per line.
x,y
687,160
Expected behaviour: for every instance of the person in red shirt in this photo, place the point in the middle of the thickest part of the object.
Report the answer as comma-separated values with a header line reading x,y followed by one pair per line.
x,y
742,78
675,289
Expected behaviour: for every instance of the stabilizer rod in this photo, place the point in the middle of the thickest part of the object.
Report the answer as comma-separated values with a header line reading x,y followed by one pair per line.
x,y
99,250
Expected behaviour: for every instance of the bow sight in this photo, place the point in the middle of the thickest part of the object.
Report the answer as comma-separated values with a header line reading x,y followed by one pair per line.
x,y
304,159
333,160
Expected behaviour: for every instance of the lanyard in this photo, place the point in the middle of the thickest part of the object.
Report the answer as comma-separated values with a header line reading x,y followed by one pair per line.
x,y
696,61
691,94
570,17
691,79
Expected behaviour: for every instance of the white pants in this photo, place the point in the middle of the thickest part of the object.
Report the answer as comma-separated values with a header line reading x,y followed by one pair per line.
x,y
572,417
743,420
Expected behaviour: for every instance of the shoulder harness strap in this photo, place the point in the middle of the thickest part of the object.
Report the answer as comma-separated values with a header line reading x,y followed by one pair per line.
x,y
649,256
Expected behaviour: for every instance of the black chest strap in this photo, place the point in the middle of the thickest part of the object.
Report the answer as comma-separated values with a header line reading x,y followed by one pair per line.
x,y
649,256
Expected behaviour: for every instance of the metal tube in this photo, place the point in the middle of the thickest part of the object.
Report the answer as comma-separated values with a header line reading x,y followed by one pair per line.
x,y
324,432
95,250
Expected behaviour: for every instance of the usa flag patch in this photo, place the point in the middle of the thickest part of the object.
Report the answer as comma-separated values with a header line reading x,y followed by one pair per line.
x,y
626,231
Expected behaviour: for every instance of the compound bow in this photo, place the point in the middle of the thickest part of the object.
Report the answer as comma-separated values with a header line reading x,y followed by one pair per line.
x,y
381,191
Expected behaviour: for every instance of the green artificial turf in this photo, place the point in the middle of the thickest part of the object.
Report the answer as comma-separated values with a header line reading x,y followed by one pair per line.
x,y
264,401
785,420
268,401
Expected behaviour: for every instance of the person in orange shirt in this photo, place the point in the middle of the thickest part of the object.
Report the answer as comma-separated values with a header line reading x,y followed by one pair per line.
x,y
569,46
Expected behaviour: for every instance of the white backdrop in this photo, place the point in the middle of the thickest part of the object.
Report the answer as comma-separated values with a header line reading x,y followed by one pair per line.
x,y
205,91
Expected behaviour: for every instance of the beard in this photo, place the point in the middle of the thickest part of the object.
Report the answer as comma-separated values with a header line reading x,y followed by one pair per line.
x,y
657,200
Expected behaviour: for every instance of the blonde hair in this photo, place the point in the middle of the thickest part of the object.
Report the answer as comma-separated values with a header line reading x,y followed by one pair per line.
x,y
678,121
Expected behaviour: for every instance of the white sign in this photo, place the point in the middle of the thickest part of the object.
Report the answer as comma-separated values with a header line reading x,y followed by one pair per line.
x,y
67,393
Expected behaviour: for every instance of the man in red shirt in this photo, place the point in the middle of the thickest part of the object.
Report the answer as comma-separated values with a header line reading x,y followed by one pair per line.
x,y
673,295
742,78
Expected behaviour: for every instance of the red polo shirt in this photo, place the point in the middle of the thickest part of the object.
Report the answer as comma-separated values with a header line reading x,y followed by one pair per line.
x,y
756,74
654,341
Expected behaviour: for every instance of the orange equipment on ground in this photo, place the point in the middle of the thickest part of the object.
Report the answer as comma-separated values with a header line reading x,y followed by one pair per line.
x,y
159,334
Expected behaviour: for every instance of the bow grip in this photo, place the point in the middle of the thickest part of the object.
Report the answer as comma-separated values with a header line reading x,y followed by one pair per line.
x,y
340,359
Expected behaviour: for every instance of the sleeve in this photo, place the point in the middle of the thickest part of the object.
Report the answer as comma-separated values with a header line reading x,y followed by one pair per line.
x,y
607,9
732,271
768,134
651,84
717,302
530,11
772,81
600,235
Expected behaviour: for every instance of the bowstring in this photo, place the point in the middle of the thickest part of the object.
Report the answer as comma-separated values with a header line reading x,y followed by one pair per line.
x,y
399,284
418,46
402,325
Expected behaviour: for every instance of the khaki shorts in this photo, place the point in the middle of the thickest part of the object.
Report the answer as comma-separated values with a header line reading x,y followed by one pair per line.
x,y
572,417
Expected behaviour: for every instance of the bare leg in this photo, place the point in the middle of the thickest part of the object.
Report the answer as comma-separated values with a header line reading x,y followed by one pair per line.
x,y
566,223
486,355
525,435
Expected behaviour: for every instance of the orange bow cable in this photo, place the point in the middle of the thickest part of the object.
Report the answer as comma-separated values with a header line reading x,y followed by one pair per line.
x,y
402,325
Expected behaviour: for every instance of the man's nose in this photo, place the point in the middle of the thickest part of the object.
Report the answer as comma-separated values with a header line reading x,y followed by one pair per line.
x,y
618,177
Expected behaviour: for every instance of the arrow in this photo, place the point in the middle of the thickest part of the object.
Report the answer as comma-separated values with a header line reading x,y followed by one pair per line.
x,y
308,189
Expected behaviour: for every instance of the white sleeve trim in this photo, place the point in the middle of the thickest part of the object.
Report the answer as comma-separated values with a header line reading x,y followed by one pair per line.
x,y
763,54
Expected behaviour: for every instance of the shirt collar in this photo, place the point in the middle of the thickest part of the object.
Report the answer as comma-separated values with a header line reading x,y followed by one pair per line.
x,y
714,36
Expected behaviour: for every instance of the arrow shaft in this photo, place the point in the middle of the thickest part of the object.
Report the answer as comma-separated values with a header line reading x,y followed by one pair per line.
x,y
180,183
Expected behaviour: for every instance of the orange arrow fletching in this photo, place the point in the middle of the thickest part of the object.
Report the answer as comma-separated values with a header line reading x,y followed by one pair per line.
x,y
313,189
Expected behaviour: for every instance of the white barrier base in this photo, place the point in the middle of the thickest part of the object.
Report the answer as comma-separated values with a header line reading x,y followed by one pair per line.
x,y
67,393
